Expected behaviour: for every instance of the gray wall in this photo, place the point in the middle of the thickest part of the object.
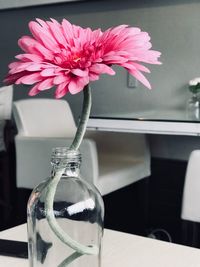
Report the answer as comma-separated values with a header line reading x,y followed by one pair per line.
x,y
175,30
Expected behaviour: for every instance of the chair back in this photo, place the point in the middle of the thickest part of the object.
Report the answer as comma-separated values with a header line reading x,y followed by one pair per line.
x,y
191,190
42,125
44,118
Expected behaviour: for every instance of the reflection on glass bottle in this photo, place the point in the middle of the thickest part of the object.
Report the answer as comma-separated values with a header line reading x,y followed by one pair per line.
x,y
193,107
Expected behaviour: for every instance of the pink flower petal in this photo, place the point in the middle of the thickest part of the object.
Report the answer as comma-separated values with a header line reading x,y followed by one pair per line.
x,y
42,23
93,76
62,89
44,51
28,57
102,68
34,90
46,84
14,65
140,77
57,32
60,79
11,79
18,67
27,44
77,85
34,67
141,67
43,36
153,56
47,72
79,72
29,79
135,66
49,44
68,31
114,59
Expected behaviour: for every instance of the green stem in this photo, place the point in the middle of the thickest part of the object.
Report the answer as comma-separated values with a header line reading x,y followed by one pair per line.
x,y
51,190
60,233
69,259
87,103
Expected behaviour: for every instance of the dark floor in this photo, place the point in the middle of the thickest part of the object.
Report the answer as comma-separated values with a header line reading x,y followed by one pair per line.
x,y
153,203
151,206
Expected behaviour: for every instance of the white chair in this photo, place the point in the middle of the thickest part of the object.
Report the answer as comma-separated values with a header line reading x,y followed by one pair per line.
x,y
43,124
190,212
123,159
118,160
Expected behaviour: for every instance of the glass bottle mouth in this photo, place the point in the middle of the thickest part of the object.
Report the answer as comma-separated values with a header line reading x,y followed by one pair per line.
x,y
62,156
64,152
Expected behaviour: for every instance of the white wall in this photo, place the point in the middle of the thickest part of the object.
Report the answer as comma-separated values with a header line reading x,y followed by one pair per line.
x,y
175,30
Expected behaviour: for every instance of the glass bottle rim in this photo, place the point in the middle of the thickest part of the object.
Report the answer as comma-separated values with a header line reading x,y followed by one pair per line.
x,y
65,153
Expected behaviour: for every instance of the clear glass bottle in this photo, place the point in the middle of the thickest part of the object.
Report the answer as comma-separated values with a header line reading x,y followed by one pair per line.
x,y
78,209
193,107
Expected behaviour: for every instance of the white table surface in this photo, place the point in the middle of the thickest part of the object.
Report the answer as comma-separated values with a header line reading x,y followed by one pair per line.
x,y
122,250
172,122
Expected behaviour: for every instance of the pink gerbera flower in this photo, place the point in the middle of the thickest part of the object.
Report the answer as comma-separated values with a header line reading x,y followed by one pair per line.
x,y
69,57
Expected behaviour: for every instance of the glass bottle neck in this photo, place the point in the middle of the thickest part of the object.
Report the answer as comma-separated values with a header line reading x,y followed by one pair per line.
x,y
69,160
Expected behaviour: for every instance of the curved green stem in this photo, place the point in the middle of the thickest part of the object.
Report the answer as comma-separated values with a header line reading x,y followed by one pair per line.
x,y
60,233
69,259
80,249
87,103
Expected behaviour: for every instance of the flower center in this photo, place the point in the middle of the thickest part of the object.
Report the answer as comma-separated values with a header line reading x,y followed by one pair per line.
x,y
76,58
